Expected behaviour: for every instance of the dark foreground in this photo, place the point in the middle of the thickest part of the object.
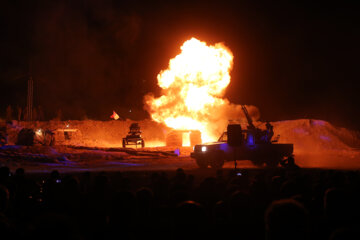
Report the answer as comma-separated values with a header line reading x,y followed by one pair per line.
x,y
251,203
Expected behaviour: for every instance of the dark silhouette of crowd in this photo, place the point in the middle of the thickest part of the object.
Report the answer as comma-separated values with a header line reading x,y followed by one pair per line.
x,y
282,203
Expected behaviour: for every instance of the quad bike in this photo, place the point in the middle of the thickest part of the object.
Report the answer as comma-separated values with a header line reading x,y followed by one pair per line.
x,y
134,136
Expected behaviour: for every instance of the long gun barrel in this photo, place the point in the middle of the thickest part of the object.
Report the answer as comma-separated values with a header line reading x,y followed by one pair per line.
x,y
251,125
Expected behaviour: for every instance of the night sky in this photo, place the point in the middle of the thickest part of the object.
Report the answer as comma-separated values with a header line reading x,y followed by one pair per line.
x,y
291,60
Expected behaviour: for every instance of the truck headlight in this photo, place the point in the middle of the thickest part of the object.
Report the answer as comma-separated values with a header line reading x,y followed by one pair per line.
x,y
203,148
38,132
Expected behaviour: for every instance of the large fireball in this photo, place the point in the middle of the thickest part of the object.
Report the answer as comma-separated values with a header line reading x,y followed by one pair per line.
x,y
192,90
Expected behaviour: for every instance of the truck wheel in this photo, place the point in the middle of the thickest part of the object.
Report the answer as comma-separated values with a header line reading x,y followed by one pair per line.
x,y
272,162
202,162
216,161
257,162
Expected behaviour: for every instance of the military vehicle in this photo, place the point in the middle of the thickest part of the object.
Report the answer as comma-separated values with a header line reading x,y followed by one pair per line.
x,y
252,144
134,136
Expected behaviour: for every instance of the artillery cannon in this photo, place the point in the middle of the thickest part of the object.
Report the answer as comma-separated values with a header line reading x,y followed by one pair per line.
x,y
134,136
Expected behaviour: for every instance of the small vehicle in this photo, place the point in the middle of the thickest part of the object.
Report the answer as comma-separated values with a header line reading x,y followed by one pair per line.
x,y
44,137
134,136
236,143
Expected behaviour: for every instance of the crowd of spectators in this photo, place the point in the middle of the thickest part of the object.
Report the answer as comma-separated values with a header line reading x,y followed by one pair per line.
x,y
205,204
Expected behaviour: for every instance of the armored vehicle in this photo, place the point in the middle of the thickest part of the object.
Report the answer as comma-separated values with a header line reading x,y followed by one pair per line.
x,y
134,136
236,143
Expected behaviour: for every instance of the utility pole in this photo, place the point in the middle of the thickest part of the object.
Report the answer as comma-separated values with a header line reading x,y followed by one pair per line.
x,y
30,94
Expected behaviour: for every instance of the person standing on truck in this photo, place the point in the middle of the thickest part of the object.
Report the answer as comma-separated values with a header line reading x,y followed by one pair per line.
x,y
269,131
289,164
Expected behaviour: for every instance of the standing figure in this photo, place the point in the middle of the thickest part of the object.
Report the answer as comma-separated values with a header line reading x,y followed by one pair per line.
x,y
269,131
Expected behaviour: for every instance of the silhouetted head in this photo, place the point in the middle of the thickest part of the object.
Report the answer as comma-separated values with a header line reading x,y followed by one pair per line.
x,y
71,185
219,173
180,176
345,234
339,206
291,161
4,173
180,172
189,213
4,198
144,197
189,221
53,226
20,172
155,176
55,174
286,219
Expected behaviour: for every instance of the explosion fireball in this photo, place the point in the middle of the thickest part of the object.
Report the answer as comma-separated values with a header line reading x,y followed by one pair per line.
x,y
192,90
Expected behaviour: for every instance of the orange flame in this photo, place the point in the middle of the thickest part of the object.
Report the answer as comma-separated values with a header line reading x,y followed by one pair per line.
x,y
114,116
192,87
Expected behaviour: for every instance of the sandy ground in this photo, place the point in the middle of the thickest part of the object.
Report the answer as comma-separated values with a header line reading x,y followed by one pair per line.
x,y
67,159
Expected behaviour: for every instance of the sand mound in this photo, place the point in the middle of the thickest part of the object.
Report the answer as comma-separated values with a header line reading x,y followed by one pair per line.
x,y
316,136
